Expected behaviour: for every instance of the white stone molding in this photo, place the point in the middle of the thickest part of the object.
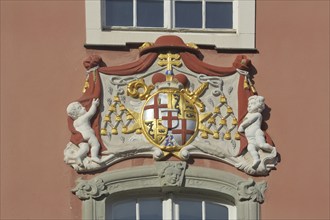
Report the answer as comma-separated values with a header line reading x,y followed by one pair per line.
x,y
244,194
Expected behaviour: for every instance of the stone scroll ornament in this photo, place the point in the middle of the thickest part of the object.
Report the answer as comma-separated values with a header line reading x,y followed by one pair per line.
x,y
169,103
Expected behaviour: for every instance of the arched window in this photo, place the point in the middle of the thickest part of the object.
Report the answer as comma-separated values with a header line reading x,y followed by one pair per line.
x,y
169,206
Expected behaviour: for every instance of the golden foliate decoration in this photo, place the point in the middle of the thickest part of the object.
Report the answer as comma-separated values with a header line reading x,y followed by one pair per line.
x,y
192,45
193,97
134,89
145,45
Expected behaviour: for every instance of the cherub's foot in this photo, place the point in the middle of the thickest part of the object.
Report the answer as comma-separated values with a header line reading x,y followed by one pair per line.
x,y
256,164
79,161
267,147
96,160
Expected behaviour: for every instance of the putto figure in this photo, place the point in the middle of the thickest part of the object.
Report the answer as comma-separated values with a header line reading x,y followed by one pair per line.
x,y
251,127
82,124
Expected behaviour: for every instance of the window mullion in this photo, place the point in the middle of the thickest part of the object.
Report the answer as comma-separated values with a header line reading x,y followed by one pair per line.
x,y
137,209
134,13
203,210
203,14
168,207
167,14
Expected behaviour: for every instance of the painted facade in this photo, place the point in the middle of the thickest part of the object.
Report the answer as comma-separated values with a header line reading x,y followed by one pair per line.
x,y
41,73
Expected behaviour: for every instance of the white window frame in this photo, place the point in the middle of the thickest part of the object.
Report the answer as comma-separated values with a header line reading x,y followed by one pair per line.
x,y
243,36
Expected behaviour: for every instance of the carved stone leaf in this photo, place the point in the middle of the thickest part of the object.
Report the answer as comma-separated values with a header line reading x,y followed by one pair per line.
x,y
90,189
250,190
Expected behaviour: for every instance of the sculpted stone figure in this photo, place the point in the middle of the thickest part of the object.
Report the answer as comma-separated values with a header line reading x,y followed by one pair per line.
x,y
82,124
251,127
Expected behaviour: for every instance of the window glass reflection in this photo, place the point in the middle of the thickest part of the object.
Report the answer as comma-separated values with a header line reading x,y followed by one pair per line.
x,y
219,15
214,211
188,14
150,13
190,210
124,210
150,209
119,13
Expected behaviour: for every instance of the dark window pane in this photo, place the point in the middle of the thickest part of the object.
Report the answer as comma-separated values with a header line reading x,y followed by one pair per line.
x,y
124,210
119,12
150,13
151,209
215,211
188,14
190,210
219,15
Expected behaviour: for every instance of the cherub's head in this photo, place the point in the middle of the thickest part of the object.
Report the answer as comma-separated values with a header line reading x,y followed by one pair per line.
x,y
75,110
256,104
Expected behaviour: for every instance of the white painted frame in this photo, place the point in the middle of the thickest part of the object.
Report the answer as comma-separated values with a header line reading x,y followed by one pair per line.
x,y
242,38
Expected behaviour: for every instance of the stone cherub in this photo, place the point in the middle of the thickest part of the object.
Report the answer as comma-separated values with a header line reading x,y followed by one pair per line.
x,y
251,127
172,174
81,123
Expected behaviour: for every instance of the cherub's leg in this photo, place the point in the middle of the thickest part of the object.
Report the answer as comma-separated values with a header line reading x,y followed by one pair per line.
x,y
82,152
262,143
95,148
254,153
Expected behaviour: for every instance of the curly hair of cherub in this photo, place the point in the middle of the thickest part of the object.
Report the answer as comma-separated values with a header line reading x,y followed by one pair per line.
x,y
260,101
72,109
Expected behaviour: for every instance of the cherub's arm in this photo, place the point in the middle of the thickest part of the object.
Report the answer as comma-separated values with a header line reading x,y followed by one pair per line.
x,y
248,120
92,109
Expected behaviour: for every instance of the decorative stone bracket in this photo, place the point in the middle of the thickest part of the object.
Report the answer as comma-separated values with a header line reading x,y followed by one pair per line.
x,y
250,190
90,189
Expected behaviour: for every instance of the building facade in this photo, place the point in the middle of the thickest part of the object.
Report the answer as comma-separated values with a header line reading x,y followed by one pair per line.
x,y
43,48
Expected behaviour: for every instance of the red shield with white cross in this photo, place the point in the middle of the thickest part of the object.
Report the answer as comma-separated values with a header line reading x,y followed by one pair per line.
x,y
169,119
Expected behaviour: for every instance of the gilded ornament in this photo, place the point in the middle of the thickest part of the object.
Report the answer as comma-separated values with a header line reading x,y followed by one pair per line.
x,y
234,121
192,45
227,135
129,116
124,130
237,136
86,86
116,99
112,108
216,135
223,121
134,89
223,99
145,45
103,131
107,118
114,131
118,118
229,109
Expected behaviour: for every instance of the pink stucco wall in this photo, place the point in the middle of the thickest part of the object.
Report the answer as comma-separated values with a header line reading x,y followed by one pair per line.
x,y
41,72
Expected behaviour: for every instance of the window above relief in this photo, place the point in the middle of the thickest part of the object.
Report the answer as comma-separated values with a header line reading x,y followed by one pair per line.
x,y
198,15
222,23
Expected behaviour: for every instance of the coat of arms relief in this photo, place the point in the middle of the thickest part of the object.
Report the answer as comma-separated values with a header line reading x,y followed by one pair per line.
x,y
169,103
